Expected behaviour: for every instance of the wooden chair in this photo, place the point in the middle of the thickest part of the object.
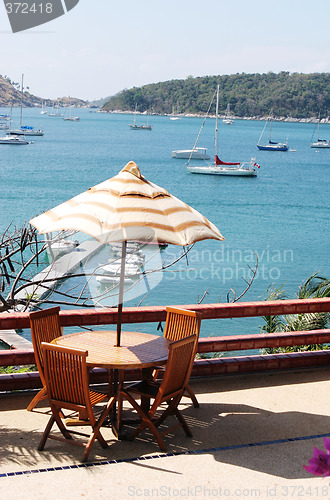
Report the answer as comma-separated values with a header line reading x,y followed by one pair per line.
x,y
45,327
66,377
181,323
170,391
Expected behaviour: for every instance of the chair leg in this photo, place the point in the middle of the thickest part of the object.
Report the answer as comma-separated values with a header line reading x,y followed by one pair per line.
x,y
96,434
45,433
182,421
42,394
192,396
146,422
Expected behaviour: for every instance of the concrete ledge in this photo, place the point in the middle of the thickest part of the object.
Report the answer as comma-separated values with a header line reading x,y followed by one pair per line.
x,y
202,368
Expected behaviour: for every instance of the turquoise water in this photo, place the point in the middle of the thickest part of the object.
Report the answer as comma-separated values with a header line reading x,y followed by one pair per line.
x,y
282,214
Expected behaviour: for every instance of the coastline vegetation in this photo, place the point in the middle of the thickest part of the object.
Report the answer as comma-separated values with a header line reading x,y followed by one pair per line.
x,y
293,95
313,287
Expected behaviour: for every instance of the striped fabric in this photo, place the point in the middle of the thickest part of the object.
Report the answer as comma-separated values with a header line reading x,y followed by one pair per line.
x,y
128,207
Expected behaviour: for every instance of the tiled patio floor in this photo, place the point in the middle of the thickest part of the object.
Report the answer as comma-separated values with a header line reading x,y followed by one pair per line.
x,y
251,436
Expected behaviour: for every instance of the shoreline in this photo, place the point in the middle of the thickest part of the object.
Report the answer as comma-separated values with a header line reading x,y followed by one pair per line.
x,y
247,118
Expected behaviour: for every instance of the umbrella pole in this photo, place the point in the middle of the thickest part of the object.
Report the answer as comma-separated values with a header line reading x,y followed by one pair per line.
x,y
121,291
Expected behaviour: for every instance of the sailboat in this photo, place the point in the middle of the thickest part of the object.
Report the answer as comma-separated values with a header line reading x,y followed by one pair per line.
x,y
175,115
219,167
25,129
142,126
43,111
271,146
320,143
71,118
56,112
4,122
228,120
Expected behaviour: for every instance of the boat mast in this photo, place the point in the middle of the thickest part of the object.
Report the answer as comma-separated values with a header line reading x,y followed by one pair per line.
x,y
135,114
262,133
216,124
271,123
20,122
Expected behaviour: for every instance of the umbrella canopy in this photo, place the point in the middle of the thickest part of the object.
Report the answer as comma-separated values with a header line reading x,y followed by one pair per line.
x,y
129,207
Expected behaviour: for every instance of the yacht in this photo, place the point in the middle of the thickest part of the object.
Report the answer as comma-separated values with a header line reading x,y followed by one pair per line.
x,y
194,154
14,140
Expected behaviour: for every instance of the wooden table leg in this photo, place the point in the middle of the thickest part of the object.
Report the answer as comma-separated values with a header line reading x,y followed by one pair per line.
x,y
145,402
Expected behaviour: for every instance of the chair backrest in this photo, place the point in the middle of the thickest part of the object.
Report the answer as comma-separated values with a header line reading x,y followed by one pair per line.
x,y
45,327
178,368
66,376
181,323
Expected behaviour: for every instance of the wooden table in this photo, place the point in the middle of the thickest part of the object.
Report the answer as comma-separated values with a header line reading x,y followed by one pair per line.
x,y
137,351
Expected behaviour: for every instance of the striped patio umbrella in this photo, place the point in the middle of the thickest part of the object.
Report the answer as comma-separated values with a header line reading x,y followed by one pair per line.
x,y
128,207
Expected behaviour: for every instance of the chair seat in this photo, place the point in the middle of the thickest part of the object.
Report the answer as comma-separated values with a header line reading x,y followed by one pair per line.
x,y
97,397
147,388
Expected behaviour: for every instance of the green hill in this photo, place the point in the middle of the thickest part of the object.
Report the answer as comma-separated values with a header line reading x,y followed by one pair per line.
x,y
296,95
10,95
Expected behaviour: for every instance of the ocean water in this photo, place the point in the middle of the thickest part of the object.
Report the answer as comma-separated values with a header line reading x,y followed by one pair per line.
x,y
282,214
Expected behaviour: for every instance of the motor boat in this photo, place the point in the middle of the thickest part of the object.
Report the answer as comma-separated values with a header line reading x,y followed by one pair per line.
x,y
13,140
194,154
61,247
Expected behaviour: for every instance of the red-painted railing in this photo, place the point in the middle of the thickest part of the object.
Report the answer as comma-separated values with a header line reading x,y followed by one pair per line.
x,y
202,367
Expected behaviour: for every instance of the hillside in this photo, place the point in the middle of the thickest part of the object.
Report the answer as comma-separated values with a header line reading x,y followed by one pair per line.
x,y
10,95
296,95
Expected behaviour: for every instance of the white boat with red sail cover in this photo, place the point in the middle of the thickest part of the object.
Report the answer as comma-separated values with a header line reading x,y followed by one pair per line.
x,y
220,167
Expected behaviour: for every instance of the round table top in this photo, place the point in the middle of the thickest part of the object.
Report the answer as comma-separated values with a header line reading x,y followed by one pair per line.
x,y
137,350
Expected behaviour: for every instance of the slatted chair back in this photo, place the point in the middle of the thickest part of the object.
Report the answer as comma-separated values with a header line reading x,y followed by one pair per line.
x,y
45,327
178,369
66,376
181,323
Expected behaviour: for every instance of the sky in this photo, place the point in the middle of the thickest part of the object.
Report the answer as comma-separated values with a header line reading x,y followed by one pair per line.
x,y
101,47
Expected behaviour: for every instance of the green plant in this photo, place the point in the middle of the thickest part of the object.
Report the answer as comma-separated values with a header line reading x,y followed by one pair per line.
x,y
18,369
314,287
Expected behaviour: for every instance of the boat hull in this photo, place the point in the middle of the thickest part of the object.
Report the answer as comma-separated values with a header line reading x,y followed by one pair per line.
x,y
27,132
273,147
216,170
140,127
321,145
13,141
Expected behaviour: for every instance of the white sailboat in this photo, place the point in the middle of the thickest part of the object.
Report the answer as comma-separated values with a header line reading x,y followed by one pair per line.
x,y
43,111
71,118
56,112
219,167
140,126
320,143
25,129
228,120
175,115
